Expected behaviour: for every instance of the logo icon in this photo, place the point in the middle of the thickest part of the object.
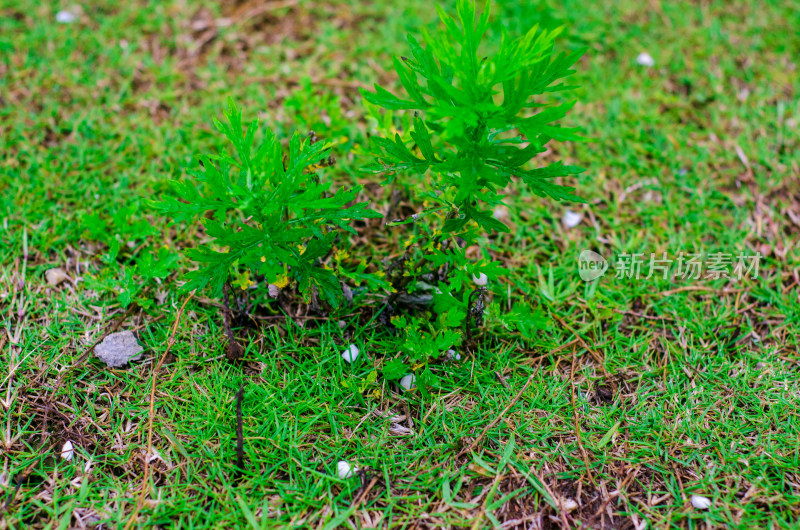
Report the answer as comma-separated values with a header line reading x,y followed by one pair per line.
x,y
591,265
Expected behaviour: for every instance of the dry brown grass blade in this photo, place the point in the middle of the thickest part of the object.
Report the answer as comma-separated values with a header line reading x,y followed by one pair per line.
x,y
487,428
597,356
499,417
577,426
562,514
145,490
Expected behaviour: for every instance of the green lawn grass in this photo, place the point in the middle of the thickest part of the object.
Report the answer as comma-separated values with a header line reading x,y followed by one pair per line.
x,y
641,393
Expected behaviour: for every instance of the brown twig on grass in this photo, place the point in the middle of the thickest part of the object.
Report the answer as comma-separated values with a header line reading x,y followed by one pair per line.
x,y
643,316
597,357
494,422
502,380
620,489
706,288
562,514
362,493
499,417
170,342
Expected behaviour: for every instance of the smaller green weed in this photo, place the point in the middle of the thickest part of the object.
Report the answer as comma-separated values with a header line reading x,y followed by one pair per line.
x,y
272,217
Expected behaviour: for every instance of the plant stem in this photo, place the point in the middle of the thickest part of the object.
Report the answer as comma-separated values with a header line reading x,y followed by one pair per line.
x,y
403,282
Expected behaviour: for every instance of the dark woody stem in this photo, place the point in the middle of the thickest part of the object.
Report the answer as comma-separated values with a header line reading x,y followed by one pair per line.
x,y
402,282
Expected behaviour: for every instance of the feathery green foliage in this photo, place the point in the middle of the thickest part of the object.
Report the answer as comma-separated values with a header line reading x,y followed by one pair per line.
x,y
475,127
272,216
477,123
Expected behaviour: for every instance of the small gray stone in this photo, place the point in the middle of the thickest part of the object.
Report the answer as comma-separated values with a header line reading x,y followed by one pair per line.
x,y
55,276
274,291
118,349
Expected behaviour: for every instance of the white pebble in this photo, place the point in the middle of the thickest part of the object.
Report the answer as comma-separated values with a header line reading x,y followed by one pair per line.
x,y
700,502
480,280
345,470
645,59
453,355
569,505
65,17
67,452
571,219
351,353
408,381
